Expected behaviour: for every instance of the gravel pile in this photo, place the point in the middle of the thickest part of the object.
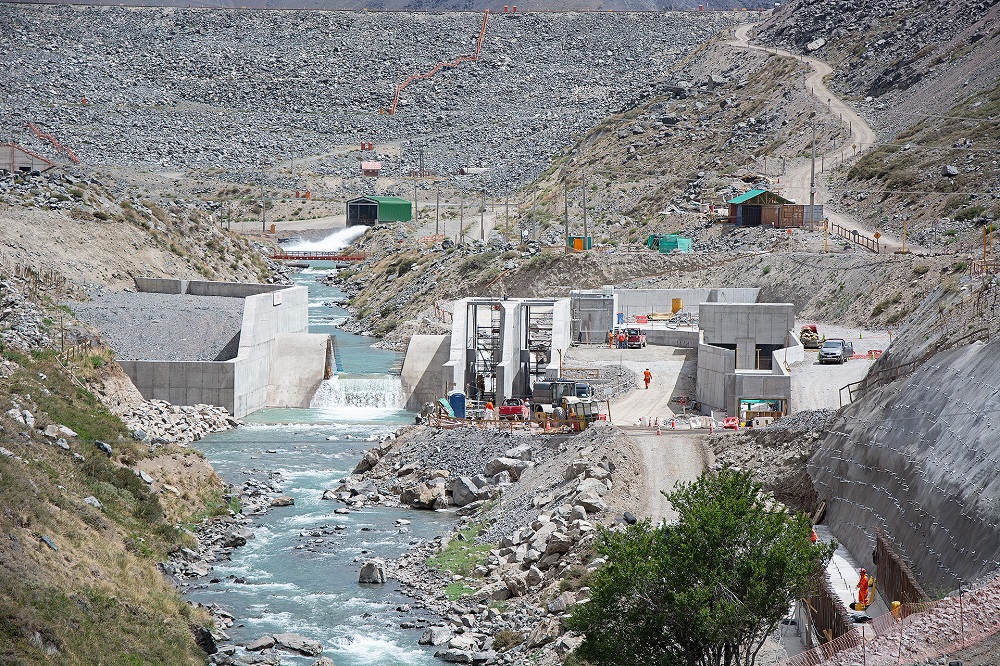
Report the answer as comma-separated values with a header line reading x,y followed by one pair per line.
x,y
174,327
219,88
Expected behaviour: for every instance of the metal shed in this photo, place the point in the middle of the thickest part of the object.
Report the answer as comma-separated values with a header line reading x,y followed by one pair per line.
x,y
756,207
372,210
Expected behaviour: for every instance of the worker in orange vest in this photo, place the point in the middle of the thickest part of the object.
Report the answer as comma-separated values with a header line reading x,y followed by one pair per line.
x,y
813,537
647,377
863,590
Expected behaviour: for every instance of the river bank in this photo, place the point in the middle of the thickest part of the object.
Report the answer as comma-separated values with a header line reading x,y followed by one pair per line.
x,y
506,578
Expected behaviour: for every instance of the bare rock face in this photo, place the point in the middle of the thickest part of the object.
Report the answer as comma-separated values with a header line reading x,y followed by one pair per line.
x,y
372,572
544,632
512,466
463,491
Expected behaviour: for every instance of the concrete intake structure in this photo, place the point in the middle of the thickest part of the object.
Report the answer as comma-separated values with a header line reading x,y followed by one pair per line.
x,y
276,362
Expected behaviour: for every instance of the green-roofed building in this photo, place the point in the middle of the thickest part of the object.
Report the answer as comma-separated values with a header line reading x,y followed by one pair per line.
x,y
373,210
756,207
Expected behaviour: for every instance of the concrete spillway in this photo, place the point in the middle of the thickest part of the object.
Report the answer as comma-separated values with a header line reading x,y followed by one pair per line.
x,y
920,459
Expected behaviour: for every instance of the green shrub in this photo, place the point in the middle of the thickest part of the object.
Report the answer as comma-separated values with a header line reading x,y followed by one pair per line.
x,y
970,213
505,639
921,270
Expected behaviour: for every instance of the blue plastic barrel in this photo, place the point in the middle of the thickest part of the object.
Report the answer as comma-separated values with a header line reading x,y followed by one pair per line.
x,y
457,401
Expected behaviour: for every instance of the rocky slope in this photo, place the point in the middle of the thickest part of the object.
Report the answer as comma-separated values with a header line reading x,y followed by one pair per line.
x,y
505,581
83,514
927,81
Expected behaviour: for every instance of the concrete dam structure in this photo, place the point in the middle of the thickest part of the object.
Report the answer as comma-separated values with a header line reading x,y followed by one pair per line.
x,y
272,361
919,458
499,348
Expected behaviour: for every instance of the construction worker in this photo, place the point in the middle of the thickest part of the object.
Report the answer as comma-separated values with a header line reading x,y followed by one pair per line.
x,y
621,339
489,414
863,590
647,377
611,339
813,537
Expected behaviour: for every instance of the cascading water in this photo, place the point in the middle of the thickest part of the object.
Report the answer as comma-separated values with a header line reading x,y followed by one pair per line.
x,y
300,573
380,392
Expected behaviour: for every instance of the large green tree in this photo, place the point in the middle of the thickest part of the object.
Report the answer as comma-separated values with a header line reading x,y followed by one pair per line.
x,y
705,591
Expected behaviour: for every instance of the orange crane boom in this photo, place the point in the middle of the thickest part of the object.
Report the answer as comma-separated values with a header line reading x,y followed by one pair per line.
x,y
441,65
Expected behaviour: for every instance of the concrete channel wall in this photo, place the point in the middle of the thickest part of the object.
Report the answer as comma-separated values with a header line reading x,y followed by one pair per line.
x,y
279,364
423,375
918,459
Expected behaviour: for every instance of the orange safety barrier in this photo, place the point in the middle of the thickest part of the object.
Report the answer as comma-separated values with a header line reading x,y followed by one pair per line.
x,y
913,632
441,65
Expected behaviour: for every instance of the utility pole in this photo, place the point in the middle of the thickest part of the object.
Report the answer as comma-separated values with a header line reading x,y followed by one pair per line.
x,y
263,203
566,213
586,233
461,223
437,211
534,219
812,179
482,219
416,207
506,205
903,249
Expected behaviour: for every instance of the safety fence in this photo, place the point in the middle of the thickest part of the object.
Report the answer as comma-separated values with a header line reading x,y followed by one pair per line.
x,y
828,614
546,426
984,267
896,581
856,237
912,632
886,375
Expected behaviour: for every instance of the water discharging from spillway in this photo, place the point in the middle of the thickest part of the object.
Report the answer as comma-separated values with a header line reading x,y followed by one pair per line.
x,y
338,240
359,395
300,573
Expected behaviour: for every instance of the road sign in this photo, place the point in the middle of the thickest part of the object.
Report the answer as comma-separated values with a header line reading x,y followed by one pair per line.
x,y
877,235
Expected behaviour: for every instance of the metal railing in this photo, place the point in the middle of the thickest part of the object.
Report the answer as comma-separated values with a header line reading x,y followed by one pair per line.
x,y
856,237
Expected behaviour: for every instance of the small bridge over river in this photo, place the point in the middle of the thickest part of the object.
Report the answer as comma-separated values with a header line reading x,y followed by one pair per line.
x,y
311,255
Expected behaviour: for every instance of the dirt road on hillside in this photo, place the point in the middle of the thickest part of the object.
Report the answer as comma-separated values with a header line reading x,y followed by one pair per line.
x,y
797,177
666,459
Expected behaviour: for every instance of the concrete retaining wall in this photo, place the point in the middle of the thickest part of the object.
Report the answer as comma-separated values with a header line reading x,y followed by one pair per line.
x,y
298,366
716,366
673,337
729,323
278,363
203,287
925,469
423,375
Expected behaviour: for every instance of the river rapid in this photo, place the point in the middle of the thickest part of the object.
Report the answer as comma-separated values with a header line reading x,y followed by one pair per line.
x,y
300,572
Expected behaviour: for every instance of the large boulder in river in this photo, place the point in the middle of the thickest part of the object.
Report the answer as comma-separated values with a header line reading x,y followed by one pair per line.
x,y
512,466
372,572
422,495
300,644
463,491
435,636
370,459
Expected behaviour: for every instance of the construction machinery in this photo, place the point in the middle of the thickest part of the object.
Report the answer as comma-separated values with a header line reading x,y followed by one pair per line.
x,y
564,399
809,337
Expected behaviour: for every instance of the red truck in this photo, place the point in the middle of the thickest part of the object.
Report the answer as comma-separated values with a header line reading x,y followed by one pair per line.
x,y
514,408
635,338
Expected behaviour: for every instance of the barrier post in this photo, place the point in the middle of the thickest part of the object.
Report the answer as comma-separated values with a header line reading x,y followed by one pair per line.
x,y
961,615
864,648
899,653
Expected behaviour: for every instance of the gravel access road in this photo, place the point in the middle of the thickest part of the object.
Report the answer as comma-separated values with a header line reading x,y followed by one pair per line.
x,y
816,386
163,327
674,455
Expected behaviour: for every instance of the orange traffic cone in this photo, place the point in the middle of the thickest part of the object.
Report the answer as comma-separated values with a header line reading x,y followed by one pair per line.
x,y
658,431
673,423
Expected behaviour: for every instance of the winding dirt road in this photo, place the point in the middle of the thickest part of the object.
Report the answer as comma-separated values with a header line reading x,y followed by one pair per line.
x,y
796,179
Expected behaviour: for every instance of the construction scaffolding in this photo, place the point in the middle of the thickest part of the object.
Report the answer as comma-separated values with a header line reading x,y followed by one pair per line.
x,y
483,351
536,343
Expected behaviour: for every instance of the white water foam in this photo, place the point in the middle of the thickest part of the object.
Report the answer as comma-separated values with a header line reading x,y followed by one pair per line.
x,y
362,648
338,240
359,397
